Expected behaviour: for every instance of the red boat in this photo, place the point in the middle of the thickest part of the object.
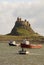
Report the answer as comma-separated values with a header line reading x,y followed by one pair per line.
x,y
26,44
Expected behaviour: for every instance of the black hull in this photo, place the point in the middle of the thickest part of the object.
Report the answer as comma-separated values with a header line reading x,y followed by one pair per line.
x,y
11,44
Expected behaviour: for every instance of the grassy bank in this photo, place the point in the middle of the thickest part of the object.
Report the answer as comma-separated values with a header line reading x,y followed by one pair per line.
x,y
18,38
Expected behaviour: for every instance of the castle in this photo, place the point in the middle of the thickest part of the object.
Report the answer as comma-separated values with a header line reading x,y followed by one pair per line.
x,y
22,23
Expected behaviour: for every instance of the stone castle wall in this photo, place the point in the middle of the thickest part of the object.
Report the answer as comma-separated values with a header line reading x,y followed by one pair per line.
x,y
25,22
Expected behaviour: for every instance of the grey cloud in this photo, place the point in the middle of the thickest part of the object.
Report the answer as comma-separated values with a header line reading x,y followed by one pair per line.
x,y
31,11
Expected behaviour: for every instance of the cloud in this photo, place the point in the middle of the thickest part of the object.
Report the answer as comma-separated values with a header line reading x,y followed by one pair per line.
x,y
32,10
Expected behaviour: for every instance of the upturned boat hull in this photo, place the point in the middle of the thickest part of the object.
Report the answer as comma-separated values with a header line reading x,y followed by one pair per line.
x,y
31,46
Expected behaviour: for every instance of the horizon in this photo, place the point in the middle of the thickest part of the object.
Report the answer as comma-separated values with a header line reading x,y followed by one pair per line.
x,y
31,10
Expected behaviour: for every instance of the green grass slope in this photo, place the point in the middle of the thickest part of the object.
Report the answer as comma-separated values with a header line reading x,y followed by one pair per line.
x,y
21,30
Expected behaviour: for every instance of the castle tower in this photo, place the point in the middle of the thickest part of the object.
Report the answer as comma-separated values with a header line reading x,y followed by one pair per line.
x,y
18,19
25,22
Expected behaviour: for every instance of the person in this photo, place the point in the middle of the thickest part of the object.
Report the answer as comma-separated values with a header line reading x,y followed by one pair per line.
x,y
25,41
23,50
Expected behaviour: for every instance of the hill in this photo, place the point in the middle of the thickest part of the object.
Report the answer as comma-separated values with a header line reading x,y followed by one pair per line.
x,y
21,30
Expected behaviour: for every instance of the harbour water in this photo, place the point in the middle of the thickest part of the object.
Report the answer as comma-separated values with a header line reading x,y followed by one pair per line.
x,y
9,56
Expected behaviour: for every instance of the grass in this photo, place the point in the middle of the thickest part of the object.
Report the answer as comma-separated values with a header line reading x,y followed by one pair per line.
x,y
24,32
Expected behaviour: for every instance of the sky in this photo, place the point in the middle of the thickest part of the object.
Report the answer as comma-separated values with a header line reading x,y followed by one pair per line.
x,y
32,10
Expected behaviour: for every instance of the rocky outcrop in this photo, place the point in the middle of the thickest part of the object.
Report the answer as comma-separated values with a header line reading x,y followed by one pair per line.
x,y
21,25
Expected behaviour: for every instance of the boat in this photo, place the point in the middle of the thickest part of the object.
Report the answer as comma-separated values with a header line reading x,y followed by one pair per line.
x,y
31,46
13,43
23,52
26,44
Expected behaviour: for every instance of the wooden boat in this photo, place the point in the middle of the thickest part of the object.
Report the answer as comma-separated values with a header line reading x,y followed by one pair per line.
x,y
31,46
26,44
23,52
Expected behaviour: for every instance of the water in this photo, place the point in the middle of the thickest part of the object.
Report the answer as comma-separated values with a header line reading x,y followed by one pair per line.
x,y
9,56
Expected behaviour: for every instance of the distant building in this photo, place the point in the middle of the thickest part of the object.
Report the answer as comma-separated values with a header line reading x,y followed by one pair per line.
x,y
24,23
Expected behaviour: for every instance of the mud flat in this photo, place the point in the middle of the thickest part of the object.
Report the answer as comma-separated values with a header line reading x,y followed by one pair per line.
x,y
9,56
